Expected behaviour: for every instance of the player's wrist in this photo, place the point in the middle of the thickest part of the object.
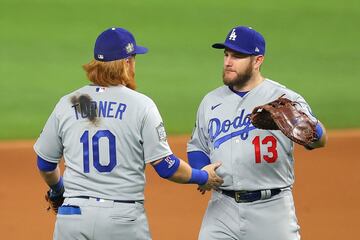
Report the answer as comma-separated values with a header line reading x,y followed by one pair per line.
x,y
319,131
316,142
58,188
199,177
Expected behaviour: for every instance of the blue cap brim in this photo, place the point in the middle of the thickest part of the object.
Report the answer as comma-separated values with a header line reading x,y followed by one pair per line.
x,y
140,50
232,47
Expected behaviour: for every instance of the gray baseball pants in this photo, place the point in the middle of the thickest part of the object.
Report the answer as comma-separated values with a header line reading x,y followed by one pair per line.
x,y
94,219
270,219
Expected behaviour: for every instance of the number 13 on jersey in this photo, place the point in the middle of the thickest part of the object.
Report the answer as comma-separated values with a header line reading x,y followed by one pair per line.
x,y
271,155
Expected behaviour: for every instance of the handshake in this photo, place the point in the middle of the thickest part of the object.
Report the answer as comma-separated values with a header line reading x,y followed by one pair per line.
x,y
214,181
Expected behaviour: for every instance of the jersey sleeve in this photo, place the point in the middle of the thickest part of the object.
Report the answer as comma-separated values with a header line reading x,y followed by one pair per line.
x,y
154,137
49,146
198,141
306,108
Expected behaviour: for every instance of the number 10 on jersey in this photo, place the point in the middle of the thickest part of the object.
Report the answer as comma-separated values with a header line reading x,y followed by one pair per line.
x,y
94,142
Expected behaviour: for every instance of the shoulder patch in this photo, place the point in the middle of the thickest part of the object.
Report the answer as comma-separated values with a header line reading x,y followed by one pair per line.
x,y
161,132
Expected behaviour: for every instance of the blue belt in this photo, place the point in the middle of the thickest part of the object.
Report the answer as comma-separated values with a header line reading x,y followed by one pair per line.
x,y
101,199
251,196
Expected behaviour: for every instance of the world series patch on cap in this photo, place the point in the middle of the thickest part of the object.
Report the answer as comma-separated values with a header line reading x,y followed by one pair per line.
x,y
243,40
116,43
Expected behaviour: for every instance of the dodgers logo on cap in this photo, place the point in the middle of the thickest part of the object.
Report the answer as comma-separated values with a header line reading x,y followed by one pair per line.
x,y
115,44
243,40
233,35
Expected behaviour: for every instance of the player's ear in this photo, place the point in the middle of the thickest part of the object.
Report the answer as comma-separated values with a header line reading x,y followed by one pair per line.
x,y
259,59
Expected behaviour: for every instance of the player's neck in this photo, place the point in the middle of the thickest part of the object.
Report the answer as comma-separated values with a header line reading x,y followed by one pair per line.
x,y
254,81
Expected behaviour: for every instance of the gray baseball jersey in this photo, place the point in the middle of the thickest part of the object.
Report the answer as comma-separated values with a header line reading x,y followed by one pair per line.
x,y
105,158
252,159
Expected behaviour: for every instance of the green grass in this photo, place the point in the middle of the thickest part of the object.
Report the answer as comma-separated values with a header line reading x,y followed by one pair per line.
x,y
312,48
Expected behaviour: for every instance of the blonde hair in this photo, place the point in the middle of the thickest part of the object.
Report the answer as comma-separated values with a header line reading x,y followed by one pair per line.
x,y
112,73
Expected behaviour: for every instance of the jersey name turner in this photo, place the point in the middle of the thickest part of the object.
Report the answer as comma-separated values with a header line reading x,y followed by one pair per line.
x,y
103,109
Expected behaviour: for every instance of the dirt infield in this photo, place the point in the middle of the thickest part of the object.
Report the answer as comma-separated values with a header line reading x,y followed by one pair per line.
x,y
326,194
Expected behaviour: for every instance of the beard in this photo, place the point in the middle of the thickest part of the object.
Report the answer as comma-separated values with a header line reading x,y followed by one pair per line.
x,y
131,80
240,79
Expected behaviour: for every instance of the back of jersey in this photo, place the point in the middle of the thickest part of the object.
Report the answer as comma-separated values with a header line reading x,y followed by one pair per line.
x,y
105,156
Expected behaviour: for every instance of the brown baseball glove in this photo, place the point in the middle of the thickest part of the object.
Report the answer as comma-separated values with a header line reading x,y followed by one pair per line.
x,y
54,199
283,114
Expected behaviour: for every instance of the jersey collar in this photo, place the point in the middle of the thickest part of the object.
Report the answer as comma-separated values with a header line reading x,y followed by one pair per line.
x,y
241,94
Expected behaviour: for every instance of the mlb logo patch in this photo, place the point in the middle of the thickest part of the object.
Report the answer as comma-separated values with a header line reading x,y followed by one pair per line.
x,y
100,89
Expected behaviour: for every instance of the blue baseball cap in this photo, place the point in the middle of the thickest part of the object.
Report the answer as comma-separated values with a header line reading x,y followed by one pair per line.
x,y
116,43
243,40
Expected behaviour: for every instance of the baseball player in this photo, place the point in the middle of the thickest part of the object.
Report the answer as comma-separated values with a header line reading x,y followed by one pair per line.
x,y
107,132
255,201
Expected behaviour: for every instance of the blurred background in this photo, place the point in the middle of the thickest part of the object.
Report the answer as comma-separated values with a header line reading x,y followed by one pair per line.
x,y
312,48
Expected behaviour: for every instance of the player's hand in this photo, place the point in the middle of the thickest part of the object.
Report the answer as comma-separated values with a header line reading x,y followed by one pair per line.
x,y
214,181
201,189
